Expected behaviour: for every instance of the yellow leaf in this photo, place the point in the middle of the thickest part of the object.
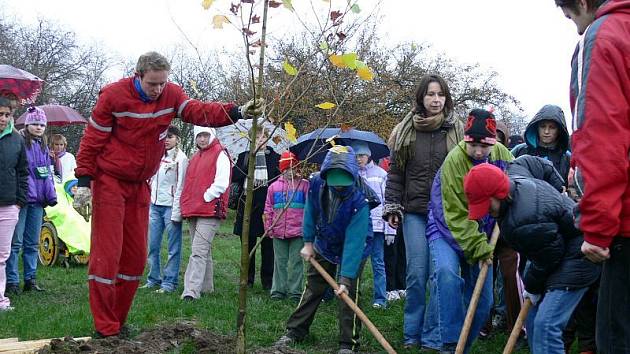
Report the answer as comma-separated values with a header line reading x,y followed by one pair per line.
x,y
193,85
288,4
323,46
350,59
291,132
365,73
355,8
206,4
288,68
337,61
360,64
326,105
219,20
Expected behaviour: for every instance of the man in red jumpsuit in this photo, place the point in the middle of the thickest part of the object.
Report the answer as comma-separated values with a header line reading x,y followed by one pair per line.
x,y
120,150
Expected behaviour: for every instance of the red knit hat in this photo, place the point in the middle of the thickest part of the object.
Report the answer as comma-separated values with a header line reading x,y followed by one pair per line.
x,y
482,182
288,159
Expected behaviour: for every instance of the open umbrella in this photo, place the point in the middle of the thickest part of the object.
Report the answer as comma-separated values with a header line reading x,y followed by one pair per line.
x,y
24,85
313,146
235,137
57,115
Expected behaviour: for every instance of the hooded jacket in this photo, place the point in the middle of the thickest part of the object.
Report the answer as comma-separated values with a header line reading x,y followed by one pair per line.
x,y
13,168
537,221
559,155
168,182
600,101
279,194
41,191
448,209
376,178
337,222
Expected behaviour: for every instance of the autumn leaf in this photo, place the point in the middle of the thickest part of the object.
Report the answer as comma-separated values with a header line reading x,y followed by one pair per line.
x,y
206,4
234,8
255,19
350,60
365,73
248,32
247,1
288,68
360,64
288,4
323,46
334,15
193,85
355,8
277,139
337,61
291,132
257,44
274,4
219,20
341,36
326,105
345,127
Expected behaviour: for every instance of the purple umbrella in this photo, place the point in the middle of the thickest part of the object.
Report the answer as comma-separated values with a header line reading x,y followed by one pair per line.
x,y
57,115
24,85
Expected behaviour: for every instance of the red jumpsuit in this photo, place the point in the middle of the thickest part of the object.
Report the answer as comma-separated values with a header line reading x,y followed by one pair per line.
x,y
120,150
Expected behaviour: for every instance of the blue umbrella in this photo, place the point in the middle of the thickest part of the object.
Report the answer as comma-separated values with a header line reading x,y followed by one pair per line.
x,y
313,146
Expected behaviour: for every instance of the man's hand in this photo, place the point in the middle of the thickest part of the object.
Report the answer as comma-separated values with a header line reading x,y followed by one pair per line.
x,y
341,289
485,261
83,202
534,298
595,253
253,108
307,251
389,239
393,221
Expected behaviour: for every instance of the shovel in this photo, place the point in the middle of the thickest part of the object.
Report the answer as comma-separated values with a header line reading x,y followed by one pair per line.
x,y
474,300
370,326
516,331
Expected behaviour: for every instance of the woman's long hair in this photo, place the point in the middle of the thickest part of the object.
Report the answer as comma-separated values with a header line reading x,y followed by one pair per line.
x,y
28,139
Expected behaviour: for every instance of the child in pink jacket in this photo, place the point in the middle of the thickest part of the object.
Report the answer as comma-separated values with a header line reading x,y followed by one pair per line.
x,y
285,227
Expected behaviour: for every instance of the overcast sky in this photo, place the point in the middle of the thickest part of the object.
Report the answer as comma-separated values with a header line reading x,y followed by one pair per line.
x,y
529,43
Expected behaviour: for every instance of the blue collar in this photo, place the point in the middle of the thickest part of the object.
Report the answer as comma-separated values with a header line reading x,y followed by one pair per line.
x,y
143,96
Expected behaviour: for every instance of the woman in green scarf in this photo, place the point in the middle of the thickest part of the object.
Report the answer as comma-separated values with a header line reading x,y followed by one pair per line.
x,y
419,144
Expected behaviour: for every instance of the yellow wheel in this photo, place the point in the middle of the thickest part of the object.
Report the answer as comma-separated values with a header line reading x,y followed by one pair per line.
x,y
49,244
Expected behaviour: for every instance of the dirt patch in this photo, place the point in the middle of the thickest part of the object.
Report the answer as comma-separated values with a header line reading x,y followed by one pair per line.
x,y
183,336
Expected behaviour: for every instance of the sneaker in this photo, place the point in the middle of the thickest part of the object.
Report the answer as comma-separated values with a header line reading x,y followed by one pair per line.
x,y
402,294
31,285
448,348
149,286
345,351
188,298
12,289
379,306
164,291
392,296
284,341
7,309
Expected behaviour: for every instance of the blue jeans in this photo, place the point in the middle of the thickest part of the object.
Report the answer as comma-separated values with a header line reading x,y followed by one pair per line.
x,y
25,237
417,252
452,283
546,320
159,219
378,268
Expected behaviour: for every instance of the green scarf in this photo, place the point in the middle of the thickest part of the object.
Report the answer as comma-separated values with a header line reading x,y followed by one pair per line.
x,y
404,134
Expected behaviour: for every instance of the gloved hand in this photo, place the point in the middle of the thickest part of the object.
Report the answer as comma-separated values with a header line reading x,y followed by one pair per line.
x,y
389,239
534,298
253,108
83,202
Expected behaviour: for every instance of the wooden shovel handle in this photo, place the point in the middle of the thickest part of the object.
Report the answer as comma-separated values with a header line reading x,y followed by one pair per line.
x,y
516,331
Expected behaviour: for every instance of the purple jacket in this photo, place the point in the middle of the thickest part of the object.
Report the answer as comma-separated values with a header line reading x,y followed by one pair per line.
x,y
280,193
40,190
376,178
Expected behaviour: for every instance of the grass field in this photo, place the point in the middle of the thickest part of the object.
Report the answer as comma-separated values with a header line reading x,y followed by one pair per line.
x,y
63,309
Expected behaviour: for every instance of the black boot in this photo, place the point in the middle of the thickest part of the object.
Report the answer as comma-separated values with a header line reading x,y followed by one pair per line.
x,y
12,289
32,285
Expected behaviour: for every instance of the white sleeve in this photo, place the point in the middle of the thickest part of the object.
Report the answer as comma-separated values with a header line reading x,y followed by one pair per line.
x,y
221,178
176,213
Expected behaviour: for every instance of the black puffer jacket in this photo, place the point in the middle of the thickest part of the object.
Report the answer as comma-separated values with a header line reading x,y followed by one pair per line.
x,y
13,170
559,155
537,221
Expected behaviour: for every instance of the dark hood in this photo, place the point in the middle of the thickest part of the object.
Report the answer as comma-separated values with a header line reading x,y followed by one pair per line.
x,y
552,113
503,128
342,157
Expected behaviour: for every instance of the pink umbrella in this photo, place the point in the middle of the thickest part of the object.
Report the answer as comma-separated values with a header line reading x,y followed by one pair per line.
x,y
57,115
24,85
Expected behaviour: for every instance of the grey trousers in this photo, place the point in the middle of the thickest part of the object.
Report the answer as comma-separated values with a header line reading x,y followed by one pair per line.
x,y
199,277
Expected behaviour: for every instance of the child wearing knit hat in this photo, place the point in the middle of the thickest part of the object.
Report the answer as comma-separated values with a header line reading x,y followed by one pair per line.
x,y
283,216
